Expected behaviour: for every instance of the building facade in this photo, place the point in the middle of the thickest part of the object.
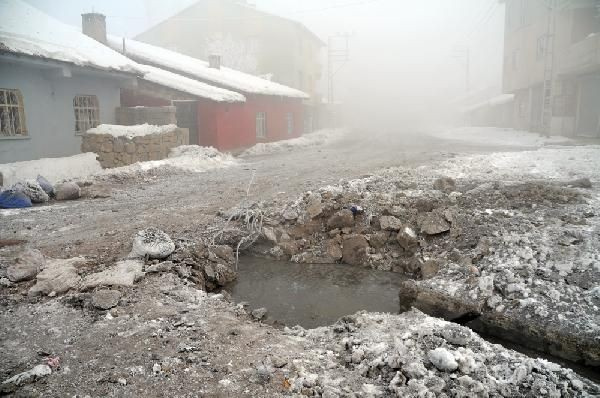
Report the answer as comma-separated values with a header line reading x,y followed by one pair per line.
x,y
552,65
246,39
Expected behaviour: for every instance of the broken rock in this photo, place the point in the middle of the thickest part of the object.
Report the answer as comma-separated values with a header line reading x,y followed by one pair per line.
x,y
124,273
152,243
433,224
390,223
442,359
341,219
37,372
26,267
106,299
444,184
407,239
67,191
354,251
59,276
429,269
259,314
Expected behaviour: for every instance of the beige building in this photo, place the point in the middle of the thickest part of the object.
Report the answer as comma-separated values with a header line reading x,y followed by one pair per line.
x,y
552,65
247,39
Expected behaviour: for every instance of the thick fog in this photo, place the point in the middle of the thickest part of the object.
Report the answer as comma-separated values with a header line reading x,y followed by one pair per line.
x,y
407,60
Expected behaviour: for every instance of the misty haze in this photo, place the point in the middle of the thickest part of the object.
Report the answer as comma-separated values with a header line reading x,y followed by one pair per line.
x,y
328,198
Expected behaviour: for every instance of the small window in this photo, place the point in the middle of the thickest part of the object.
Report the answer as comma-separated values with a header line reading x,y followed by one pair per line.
x,y
261,125
12,114
290,123
87,113
541,47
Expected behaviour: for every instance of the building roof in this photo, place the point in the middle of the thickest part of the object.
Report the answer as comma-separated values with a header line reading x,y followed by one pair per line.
x,y
189,86
25,30
197,69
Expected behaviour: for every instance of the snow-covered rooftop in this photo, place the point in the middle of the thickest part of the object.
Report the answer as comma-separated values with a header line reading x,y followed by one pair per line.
x,y
195,68
27,30
190,86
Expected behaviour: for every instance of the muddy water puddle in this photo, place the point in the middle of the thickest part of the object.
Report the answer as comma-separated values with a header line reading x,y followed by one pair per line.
x,y
314,295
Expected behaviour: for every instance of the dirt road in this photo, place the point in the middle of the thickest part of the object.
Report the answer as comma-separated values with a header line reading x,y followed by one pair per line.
x,y
181,202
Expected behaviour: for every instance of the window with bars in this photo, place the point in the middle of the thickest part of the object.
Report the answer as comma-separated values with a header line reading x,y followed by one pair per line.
x,y
12,114
261,125
290,123
87,113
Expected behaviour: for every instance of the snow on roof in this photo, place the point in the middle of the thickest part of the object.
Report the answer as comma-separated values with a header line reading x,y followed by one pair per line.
x,y
195,68
27,30
495,101
190,86
131,131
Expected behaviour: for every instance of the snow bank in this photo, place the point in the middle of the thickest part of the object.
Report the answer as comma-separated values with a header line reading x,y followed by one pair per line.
x,y
500,136
321,137
53,169
190,86
26,30
188,157
195,68
131,131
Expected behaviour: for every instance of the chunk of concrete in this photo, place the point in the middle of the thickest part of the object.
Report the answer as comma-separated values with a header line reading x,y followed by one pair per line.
x,y
124,273
27,265
59,276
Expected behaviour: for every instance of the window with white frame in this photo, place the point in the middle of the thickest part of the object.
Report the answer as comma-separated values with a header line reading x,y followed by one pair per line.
x,y
290,123
87,113
12,114
261,125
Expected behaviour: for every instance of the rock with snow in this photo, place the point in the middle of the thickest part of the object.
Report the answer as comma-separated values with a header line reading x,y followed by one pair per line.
x,y
27,265
124,273
33,190
58,276
67,191
46,185
259,314
152,243
442,359
38,372
407,239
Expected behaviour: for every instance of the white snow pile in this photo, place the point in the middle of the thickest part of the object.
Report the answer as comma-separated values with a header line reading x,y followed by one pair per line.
x,y
190,86
26,30
318,138
53,169
500,136
192,158
564,163
131,131
195,68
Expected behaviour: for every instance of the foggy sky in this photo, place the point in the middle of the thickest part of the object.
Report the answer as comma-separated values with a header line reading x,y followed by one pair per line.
x,y
401,50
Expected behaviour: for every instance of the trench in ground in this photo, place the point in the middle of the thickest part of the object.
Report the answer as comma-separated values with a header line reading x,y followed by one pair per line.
x,y
313,295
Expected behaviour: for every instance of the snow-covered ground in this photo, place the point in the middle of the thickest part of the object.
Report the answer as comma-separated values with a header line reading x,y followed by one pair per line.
x,y
321,137
80,167
500,136
53,169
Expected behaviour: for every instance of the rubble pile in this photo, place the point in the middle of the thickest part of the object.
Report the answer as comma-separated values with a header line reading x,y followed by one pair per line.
x,y
414,355
520,256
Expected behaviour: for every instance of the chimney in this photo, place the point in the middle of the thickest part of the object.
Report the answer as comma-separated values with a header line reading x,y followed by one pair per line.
x,y
93,25
214,61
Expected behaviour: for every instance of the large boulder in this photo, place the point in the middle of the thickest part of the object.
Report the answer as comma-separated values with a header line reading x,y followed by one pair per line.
x,y
408,240
354,250
390,223
341,219
152,243
27,265
67,191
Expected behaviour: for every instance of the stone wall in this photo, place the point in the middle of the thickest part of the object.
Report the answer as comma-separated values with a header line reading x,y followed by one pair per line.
x,y
122,151
154,115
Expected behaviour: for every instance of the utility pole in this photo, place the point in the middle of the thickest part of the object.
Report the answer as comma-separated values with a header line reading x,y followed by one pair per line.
x,y
338,55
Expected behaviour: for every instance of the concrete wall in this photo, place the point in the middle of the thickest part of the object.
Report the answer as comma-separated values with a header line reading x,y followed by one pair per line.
x,y
48,100
157,116
122,151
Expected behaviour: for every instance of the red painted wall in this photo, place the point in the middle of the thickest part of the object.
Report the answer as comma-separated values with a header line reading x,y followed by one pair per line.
x,y
233,126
